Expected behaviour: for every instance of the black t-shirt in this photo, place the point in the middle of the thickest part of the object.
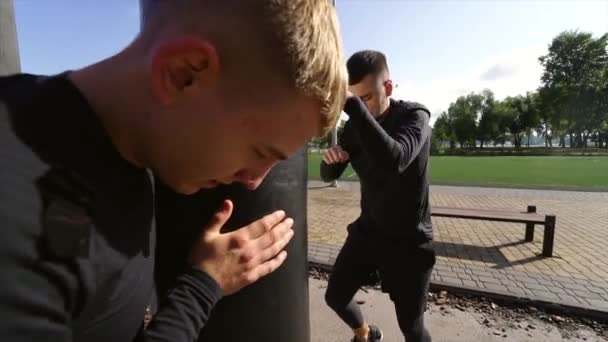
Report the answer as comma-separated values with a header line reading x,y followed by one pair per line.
x,y
390,155
77,236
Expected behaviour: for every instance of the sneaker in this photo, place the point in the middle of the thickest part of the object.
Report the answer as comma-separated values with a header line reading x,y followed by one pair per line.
x,y
375,335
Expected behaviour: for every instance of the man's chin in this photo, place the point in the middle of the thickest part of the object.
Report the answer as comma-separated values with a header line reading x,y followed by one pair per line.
x,y
210,184
187,190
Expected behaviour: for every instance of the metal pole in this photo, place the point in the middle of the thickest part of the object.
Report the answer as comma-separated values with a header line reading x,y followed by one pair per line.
x,y
274,308
9,49
334,132
334,142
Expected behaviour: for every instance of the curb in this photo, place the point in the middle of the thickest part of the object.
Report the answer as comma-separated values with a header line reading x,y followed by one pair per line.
x,y
549,305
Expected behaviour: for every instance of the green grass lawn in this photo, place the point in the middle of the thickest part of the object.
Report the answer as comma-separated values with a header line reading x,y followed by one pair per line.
x,y
574,173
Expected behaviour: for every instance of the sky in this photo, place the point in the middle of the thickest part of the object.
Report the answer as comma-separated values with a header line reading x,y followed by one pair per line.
x,y
437,50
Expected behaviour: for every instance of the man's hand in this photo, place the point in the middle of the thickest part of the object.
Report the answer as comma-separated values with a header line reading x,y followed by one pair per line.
x,y
335,155
239,258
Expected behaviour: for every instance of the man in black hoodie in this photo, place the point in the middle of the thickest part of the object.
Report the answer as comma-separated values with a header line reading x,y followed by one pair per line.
x,y
387,142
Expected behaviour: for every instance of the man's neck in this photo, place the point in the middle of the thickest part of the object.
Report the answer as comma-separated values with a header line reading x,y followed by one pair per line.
x,y
386,105
111,88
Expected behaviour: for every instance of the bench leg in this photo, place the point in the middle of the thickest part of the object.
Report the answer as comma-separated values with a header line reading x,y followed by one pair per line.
x,y
529,232
549,236
530,226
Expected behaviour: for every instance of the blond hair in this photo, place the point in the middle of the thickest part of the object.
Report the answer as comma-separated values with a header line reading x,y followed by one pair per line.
x,y
298,38
313,45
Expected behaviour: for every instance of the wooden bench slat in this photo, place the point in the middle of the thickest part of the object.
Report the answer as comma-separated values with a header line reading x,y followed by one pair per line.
x,y
489,215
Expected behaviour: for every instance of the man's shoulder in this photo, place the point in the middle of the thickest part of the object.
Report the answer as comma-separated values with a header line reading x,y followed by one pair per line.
x,y
411,107
14,85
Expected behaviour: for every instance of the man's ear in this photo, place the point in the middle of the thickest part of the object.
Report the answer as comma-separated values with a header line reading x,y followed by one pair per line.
x,y
181,65
388,87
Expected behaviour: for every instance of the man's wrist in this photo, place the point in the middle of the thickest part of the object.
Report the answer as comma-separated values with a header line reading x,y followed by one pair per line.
x,y
208,280
353,107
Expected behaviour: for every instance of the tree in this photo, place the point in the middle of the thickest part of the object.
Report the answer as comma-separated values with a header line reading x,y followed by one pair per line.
x,y
602,135
548,112
529,114
443,131
504,118
514,109
488,129
602,131
575,70
463,116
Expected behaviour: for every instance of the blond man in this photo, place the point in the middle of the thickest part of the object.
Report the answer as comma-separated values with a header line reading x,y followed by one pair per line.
x,y
210,92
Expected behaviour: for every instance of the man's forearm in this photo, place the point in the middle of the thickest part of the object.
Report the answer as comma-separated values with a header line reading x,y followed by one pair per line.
x,y
331,172
185,310
386,151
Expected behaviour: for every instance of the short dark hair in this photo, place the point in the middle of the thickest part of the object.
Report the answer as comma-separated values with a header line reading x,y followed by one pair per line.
x,y
364,63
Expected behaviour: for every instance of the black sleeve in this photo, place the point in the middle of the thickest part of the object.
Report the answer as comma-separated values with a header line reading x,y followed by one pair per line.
x,y
393,152
37,297
185,311
38,300
329,173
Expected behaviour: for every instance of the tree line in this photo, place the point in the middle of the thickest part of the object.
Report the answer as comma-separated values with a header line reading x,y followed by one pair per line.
x,y
570,105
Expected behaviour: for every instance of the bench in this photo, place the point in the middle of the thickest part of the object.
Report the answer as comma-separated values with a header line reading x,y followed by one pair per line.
x,y
530,218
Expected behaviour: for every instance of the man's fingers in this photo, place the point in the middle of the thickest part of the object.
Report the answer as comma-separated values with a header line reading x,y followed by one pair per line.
x,y
335,154
220,218
267,267
264,224
276,248
276,234
329,155
339,154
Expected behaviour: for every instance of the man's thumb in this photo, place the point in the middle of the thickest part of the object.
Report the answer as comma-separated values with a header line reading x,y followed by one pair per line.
x,y
220,217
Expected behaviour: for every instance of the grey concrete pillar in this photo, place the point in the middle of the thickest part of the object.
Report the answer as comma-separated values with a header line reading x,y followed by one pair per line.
x,y
9,50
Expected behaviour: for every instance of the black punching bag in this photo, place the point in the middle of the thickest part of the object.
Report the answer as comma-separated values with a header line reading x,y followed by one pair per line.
x,y
276,307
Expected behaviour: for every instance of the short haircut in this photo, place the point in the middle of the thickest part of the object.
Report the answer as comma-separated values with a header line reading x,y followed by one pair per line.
x,y
297,41
363,63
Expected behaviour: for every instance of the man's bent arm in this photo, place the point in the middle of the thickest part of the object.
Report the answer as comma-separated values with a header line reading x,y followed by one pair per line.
x,y
36,303
392,152
186,309
331,172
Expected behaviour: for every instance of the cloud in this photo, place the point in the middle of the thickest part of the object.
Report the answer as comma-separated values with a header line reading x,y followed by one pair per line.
x,y
498,71
508,74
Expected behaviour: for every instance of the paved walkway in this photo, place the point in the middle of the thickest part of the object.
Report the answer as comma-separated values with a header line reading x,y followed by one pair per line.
x,y
445,323
492,256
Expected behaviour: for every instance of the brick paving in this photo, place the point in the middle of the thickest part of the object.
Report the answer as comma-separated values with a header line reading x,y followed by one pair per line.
x,y
492,256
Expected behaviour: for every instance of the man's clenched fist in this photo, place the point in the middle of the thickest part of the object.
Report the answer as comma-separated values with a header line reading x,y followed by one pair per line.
x,y
239,258
335,155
